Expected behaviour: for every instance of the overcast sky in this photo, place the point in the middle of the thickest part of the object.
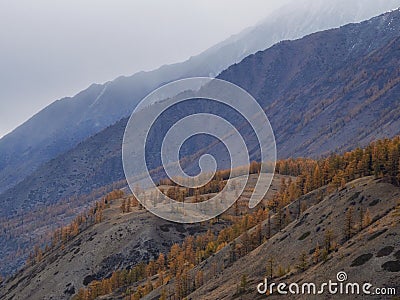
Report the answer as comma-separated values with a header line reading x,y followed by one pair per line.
x,y
51,49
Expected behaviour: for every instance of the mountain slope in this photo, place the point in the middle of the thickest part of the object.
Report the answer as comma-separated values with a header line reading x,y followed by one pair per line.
x,y
120,241
336,90
66,122
348,216
123,240
90,165
380,198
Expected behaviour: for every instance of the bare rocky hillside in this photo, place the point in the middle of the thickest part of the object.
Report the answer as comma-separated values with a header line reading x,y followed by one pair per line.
x,y
371,254
121,241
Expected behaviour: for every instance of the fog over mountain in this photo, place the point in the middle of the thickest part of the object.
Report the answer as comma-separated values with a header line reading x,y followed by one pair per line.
x,y
63,124
304,82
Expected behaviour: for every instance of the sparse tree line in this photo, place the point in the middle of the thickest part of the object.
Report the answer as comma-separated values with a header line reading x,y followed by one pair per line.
x,y
127,203
179,262
181,259
215,185
64,234
380,159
